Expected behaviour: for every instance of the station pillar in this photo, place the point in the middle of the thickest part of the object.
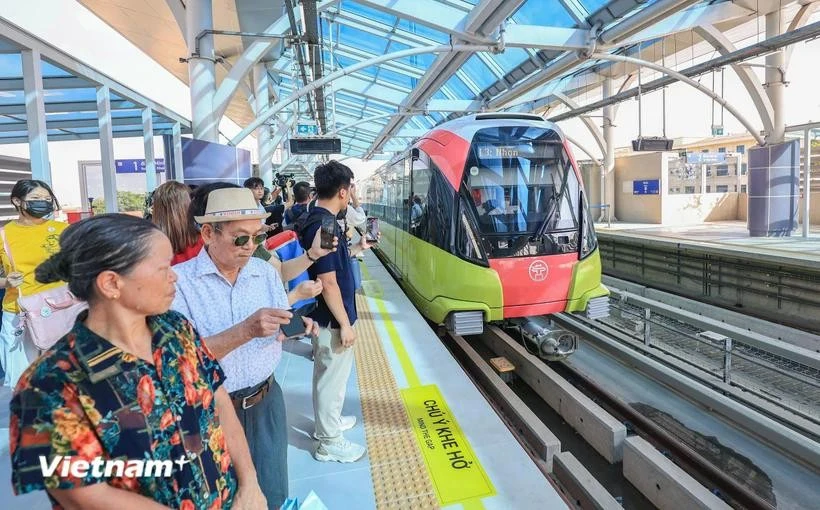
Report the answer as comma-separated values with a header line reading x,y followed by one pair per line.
x,y
774,169
608,169
201,70
36,115
263,135
148,147
775,78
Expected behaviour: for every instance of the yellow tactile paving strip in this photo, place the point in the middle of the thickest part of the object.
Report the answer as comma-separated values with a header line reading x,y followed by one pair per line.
x,y
400,477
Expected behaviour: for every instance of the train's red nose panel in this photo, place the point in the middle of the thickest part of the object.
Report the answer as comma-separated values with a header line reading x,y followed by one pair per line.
x,y
535,285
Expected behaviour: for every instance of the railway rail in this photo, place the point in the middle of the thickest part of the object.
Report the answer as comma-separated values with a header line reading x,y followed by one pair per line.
x,y
732,388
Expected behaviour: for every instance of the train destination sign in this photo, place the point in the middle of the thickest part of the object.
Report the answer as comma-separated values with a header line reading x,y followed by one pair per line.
x,y
498,151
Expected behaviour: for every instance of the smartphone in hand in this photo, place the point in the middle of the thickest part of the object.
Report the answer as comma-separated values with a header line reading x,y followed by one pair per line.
x,y
296,326
328,231
372,232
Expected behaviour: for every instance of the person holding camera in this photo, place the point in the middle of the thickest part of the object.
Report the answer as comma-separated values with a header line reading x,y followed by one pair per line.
x,y
257,186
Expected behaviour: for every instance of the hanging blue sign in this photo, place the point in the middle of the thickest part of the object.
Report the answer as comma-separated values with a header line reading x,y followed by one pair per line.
x,y
705,158
136,166
307,129
648,187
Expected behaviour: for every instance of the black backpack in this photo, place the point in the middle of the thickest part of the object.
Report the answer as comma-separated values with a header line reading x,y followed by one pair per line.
x,y
301,224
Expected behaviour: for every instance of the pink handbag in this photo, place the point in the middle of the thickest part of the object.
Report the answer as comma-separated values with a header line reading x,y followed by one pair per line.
x,y
47,316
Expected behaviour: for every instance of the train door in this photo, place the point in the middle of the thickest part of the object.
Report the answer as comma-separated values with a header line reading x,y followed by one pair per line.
x,y
406,199
418,253
398,211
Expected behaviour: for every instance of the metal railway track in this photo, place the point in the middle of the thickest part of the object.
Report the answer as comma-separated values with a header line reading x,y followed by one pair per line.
x,y
776,379
701,469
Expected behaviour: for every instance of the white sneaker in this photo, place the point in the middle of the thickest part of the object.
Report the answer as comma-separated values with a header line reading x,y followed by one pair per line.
x,y
339,451
345,423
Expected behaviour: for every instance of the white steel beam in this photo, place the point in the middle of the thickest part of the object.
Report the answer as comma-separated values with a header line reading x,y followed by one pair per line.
x,y
545,37
136,122
178,10
747,77
578,12
201,70
593,129
176,138
806,182
67,62
801,18
646,17
109,173
483,20
77,106
776,80
431,13
640,20
263,134
36,115
148,144
54,82
252,54
276,108
357,84
692,18
685,79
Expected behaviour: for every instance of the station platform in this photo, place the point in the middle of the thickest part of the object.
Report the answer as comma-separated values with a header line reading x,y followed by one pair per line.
x,y
725,237
433,440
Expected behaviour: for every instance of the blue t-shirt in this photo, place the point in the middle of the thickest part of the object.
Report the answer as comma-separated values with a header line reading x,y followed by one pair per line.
x,y
338,262
292,214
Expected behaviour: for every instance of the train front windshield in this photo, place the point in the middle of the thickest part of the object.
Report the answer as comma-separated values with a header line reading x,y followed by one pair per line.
x,y
522,183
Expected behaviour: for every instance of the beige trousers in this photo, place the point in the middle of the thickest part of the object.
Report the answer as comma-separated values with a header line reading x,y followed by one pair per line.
x,y
331,369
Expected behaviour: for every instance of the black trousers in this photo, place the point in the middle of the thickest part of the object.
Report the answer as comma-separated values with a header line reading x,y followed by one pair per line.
x,y
266,429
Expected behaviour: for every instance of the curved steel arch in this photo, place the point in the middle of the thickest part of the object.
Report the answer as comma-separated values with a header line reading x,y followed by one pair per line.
x,y
685,79
276,108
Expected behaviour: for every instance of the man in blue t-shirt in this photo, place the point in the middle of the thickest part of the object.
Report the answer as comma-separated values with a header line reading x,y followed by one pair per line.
x,y
336,314
301,195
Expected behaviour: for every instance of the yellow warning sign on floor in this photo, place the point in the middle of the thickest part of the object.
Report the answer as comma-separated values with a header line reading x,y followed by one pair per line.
x,y
454,469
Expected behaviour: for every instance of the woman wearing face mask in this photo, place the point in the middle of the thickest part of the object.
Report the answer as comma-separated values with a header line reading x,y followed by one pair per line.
x,y
28,242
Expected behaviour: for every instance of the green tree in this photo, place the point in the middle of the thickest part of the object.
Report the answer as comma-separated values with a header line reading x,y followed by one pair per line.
x,y
126,200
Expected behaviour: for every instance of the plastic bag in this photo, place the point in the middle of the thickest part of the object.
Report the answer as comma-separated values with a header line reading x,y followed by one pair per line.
x,y
312,502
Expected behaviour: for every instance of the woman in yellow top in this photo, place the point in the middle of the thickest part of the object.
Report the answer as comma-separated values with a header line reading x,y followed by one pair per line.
x,y
31,238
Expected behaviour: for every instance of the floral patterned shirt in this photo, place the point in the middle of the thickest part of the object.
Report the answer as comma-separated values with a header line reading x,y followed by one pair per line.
x,y
86,399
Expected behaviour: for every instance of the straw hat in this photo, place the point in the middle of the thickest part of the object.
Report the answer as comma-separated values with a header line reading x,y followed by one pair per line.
x,y
231,204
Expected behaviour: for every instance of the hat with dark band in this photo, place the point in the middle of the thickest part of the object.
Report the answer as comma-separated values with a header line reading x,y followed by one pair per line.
x,y
231,204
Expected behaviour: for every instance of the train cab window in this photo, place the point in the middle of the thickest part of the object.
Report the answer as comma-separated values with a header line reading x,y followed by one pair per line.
x,y
524,189
421,176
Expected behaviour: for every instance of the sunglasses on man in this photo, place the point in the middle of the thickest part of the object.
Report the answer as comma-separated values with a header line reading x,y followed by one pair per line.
x,y
243,239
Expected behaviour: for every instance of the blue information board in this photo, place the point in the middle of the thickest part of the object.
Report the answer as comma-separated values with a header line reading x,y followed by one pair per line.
x,y
136,166
648,187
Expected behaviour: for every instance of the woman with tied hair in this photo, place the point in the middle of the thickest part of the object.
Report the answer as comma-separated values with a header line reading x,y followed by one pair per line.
x,y
170,213
132,381
26,242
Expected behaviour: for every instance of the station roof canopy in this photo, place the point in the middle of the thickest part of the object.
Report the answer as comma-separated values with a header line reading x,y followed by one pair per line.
x,y
70,97
536,62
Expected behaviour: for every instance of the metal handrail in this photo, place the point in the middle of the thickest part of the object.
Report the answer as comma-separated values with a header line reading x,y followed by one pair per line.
x,y
608,208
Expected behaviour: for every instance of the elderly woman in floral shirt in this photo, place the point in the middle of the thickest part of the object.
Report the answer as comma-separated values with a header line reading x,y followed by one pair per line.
x,y
127,410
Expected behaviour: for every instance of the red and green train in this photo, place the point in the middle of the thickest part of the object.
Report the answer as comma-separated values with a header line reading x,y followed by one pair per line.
x,y
484,219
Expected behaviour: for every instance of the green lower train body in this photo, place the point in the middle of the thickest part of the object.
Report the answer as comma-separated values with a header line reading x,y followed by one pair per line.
x,y
440,283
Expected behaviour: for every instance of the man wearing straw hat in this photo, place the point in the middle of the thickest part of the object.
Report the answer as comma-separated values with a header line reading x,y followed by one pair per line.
x,y
237,303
